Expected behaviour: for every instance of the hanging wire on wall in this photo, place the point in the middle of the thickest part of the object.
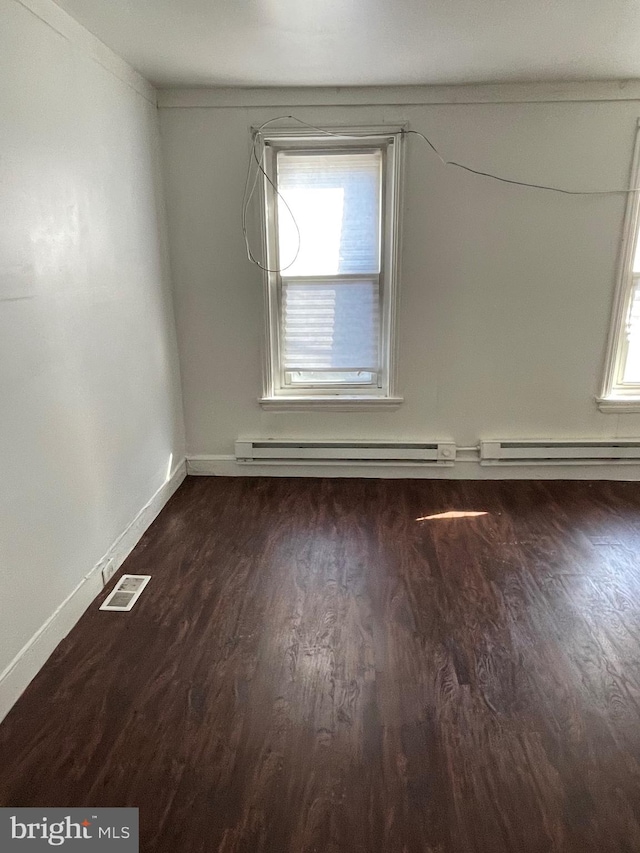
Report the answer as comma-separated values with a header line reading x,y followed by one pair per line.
x,y
257,144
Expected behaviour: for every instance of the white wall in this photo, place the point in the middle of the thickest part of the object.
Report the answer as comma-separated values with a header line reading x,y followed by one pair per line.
x,y
505,291
90,408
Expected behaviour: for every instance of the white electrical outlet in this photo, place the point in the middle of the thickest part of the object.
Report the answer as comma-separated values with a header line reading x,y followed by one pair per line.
x,y
108,572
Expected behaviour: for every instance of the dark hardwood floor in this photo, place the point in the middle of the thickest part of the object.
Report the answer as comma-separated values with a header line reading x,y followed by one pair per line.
x,y
311,668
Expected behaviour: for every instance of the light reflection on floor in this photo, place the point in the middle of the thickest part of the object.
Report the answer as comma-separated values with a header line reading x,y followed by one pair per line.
x,y
452,513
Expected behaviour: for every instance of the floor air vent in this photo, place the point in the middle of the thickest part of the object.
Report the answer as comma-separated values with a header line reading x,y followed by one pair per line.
x,y
323,452
125,593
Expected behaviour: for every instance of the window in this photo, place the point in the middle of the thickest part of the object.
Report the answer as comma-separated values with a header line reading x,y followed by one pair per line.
x,y
621,388
331,233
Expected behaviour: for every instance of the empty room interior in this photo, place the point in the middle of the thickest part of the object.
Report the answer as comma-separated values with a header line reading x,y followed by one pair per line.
x,y
320,426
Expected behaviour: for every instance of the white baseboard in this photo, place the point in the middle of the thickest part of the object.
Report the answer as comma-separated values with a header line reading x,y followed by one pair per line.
x,y
30,659
222,465
225,465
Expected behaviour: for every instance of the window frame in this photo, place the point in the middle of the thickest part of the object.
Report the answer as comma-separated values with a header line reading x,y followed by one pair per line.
x,y
277,394
616,395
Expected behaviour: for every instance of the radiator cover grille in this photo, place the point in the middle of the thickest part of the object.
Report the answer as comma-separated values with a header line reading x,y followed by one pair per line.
x,y
335,452
560,452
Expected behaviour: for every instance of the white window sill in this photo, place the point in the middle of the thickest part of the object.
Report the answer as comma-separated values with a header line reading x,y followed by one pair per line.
x,y
340,403
618,405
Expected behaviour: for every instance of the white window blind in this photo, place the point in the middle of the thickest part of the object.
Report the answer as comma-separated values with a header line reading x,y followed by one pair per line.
x,y
631,372
631,343
331,292
335,201
331,210
331,326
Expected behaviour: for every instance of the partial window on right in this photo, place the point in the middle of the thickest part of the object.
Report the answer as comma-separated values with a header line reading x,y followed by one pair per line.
x,y
621,387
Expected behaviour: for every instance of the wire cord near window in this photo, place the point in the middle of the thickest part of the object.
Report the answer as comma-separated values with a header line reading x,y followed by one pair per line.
x,y
257,142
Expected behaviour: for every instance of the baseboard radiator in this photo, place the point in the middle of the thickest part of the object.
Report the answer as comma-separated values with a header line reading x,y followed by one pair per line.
x,y
561,452
329,452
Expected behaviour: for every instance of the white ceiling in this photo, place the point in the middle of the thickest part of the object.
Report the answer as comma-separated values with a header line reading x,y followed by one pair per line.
x,y
367,42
